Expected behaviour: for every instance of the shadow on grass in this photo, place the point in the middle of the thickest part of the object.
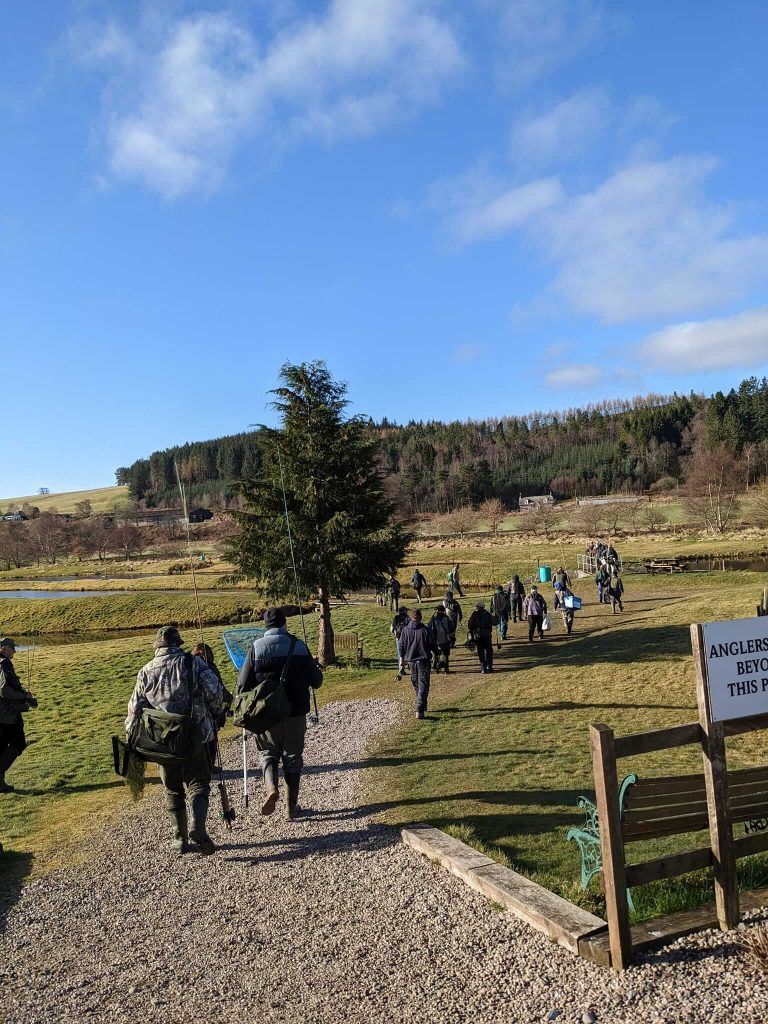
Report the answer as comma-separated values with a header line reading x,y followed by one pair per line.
x,y
564,705
14,868
625,645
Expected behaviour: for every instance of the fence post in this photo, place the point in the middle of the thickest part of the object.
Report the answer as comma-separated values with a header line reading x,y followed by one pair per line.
x,y
611,844
716,780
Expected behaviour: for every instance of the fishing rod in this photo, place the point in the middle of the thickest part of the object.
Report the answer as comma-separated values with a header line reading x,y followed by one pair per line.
x,y
227,811
315,717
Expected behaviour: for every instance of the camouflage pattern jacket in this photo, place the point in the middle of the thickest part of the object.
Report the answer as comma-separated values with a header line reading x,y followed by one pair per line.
x,y
162,685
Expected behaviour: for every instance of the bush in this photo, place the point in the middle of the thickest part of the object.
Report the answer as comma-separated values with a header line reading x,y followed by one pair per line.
x,y
663,484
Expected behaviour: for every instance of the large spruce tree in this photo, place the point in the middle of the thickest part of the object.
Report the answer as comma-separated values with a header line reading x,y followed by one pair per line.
x,y
343,532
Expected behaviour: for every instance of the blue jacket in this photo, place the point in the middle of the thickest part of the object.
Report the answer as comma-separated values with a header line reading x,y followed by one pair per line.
x,y
416,643
266,659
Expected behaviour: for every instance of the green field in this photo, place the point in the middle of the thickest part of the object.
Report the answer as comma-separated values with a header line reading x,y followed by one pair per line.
x,y
501,759
102,499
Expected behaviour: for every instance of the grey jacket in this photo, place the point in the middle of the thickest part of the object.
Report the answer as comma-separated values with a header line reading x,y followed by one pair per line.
x,y
161,684
441,628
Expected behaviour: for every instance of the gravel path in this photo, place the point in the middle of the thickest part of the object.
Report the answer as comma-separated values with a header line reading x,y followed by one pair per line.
x,y
326,919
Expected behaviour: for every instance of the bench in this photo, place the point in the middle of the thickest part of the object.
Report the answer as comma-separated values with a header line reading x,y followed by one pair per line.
x,y
350,645
669,805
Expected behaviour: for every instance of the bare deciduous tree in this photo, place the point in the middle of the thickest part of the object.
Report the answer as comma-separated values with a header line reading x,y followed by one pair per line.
x,y
715,478
540,519
587,519
494,512
461,520
653,517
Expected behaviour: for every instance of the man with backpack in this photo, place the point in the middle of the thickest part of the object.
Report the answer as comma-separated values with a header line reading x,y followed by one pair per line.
x,y
418,582
480,628
442,631
181,684
516,592
278,655
454,613
602,579
535,608
500,609
418,647
615,590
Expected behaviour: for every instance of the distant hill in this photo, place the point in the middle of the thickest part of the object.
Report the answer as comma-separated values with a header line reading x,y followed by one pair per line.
x,y
626,445
102,499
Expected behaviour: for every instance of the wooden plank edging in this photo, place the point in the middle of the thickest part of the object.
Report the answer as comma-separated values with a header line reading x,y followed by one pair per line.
x,y
562,921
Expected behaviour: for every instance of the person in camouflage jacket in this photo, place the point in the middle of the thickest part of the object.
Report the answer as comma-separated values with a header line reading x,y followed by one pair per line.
x,y
162,684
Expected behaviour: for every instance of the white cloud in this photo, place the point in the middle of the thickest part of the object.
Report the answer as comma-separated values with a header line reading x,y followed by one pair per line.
x,y
541,35
478,207
576,376
564,130
203,83
466,353
736,341
646,242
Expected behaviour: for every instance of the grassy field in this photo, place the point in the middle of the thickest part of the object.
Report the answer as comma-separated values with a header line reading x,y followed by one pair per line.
x,y
500,761
102,499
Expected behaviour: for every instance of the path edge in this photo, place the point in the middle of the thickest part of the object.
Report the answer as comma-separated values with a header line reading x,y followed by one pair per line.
x,y
540,908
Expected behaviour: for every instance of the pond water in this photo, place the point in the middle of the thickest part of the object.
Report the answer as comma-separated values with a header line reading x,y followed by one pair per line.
x,y
24,594
758,563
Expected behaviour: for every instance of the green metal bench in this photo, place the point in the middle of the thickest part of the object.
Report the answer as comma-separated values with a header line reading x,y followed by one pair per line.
x,y
587,838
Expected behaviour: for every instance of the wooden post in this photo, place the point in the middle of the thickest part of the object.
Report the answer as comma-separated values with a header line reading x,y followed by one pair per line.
x,y
611,844
716,779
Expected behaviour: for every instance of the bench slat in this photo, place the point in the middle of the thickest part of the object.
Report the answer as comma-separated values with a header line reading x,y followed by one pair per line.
x,y
670,826
668,867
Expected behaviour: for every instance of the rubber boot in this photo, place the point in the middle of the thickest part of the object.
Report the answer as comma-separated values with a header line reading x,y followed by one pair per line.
x,y
6,760
293,781
199,815
270,785
180,835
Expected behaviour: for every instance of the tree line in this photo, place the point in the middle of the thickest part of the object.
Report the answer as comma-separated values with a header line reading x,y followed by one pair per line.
x,y
629,446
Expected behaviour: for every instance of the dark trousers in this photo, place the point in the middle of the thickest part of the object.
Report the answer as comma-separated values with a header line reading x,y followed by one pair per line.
x,y
420,681
284,741
485,652
535,622
13,736
443,656
194,777
517,608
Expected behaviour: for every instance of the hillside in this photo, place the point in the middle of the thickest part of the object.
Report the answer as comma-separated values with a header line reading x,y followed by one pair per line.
x,y
102,499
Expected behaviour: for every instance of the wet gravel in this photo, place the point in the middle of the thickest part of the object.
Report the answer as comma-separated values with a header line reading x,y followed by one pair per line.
x,y
325,919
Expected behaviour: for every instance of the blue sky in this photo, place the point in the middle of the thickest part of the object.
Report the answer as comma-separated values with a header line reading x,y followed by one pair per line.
x,y
468,209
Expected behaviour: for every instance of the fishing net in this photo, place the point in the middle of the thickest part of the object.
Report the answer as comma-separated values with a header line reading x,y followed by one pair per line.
x,y
239,641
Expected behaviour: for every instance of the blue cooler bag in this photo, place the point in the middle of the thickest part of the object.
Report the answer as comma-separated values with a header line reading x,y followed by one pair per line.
x,y
572,602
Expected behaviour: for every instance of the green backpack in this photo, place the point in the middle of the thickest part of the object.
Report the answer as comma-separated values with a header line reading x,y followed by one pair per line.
x,y
164,737
259,709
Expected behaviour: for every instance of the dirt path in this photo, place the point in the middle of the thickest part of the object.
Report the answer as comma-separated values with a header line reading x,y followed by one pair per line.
x,y
328,919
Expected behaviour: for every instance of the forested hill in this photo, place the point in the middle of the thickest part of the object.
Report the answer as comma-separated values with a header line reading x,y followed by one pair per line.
x,y
627,445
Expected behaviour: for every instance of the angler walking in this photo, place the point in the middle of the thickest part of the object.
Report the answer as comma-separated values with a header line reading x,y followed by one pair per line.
x,y
14,700
500,609
179,686
279,659
418,646
454,613
516,592
441,628
535,608
480,628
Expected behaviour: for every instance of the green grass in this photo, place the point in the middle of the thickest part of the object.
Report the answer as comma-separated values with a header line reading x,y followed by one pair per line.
x,y
102,499
501,760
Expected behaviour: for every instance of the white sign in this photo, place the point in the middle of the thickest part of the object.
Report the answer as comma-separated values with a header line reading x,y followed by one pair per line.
x,y
737,667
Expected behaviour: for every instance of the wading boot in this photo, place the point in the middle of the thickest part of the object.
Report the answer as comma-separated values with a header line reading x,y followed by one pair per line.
x,y
270,785
293,780
199,815
6,760
180,834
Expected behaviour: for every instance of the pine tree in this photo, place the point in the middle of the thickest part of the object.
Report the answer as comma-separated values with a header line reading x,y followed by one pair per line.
x,y
340,519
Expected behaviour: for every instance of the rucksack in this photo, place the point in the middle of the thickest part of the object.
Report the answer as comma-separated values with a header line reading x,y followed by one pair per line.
x,y
394,586
164,737
267,704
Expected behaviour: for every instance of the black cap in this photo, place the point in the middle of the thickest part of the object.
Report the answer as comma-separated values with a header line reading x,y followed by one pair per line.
x,y
273,618
7,642
168,636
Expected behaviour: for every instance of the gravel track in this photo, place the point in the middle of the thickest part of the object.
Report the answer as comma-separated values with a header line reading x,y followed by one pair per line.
x,y
326,919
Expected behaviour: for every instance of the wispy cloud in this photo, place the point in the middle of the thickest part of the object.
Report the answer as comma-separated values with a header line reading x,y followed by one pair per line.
x,y
575,377
466,353
735,341
190,91
644,242
567,128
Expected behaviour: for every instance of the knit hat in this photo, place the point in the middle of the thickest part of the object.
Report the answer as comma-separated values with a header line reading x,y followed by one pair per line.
x,y
274,618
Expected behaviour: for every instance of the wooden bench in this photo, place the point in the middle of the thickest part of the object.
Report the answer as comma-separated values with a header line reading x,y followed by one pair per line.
x,y
350,645
670,805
